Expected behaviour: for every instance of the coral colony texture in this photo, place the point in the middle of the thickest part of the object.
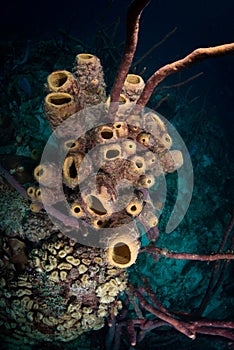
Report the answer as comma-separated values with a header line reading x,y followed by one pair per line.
x,y
78,222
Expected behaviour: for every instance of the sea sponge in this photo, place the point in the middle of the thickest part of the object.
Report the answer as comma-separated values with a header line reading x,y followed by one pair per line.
x,y
58,106
134,122
133,87
152,123
124,107
146,181
76,168
71,167
73,146
63,81
165,142
77,210
129,148
148,217
31,192
138,164
123,246
171,161
134,207
110,152
89,74
103,134
46,174
98,205
121,129
35,208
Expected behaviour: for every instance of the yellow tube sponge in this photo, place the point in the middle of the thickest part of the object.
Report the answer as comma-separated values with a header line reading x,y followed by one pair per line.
x,y
153,124
134,207
124,108
58,106
138,164
133,87
146,181
77,210
73,146
31,192
63,81
35,208
76,168
103,134
171,161
148,217
47,174
98,205
128,148
121,129
123,246
89,73
110,152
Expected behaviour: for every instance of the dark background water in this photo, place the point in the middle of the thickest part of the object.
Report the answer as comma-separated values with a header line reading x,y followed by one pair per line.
x,y
199,24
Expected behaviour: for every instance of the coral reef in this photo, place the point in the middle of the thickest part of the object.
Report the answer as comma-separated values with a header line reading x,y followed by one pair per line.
x,y
106,155
81,283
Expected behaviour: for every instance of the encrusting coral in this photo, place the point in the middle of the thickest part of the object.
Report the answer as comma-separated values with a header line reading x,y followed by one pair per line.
x,y
59,290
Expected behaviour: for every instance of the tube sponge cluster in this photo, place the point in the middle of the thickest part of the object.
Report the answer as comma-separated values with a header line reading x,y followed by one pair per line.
x,y
108,167
56,288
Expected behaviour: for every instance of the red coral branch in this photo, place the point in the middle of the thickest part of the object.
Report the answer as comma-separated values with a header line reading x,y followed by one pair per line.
x,y
187,256
164,318
133,18
175,67
212,286
179,325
